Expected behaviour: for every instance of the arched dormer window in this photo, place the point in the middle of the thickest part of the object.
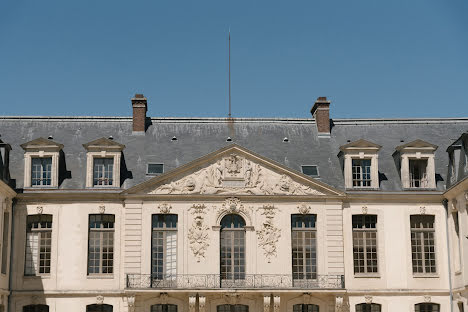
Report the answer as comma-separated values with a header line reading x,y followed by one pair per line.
x,y
232,247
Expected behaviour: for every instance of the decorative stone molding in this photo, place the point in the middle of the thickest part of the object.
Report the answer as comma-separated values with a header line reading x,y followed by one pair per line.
x,y
198,234
233,205
102,209
454,205
192,303
99,299
276,303
131,303
364,210
266,303
201,304
303,209
307,298
269,234
368,299
232,298
164,208
422,210
39,209
427,298
235,175
341,305
163,298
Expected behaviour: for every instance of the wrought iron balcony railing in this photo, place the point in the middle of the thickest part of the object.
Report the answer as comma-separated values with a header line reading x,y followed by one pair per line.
x,y
250,281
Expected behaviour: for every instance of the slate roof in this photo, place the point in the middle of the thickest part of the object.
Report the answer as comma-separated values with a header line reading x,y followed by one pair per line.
x,y
197,137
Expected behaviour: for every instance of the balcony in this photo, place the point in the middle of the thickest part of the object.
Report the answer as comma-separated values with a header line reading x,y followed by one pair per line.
x,y
250,281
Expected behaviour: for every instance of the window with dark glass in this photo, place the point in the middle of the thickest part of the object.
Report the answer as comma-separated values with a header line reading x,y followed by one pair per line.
x,y
304,246
36,308
426,307
418,173
368,307
365,244
41,171
164,246
101,244
155,169
310,171
423,244
38,244
232,257
103,171
361,172
232,308
99,308
305,308
164,308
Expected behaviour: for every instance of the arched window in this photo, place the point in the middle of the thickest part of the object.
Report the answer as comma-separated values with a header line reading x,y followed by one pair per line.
x,y
427,307
164,247
232,308
99,308
36,308
305,308
368,307
304,246
164,308
232,257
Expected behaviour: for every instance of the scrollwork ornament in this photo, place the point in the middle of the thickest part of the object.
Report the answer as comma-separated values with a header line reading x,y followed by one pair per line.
x,y
368,299
269,234
427,298
163,298
99,299
131,303
276,303
102,209
164,208
192,303
364,210
422,210
201,303
198,233
39,210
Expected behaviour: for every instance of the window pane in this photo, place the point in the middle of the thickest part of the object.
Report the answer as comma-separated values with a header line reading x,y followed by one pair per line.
x,y
164,308
99,308
305,308
304,247
361,170
36,308
310,170
101,244
427,307
423,244
232,248
164,247
365,243
103,171
418,175
38,244
155,168
41,171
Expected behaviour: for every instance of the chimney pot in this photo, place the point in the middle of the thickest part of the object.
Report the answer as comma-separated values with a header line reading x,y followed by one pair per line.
x,y
140,107
321,112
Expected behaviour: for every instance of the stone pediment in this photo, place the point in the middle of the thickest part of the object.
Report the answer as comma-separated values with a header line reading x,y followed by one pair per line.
x,y
417,144
360,145
234,171
41,144
103,144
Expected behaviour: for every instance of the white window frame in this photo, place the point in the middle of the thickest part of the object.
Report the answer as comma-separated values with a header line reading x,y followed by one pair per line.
x,y
417,150
41,148
103,148
361,149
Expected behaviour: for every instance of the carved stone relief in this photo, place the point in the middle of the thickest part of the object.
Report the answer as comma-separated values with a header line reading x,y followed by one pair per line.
x,y
235,175
163,298
276,303
198,233
266,303
102,209
164,208
422,210
364,210
427,298
39,209
99,299
303,209
233,205
341,305
201,303
269,234
368,299
232,298
192,303
131,303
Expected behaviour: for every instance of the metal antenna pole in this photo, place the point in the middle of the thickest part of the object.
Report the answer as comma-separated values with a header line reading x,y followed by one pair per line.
x,y
229,73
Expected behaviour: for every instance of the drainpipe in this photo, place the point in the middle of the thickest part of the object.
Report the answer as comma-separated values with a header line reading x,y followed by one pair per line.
x,y
445,203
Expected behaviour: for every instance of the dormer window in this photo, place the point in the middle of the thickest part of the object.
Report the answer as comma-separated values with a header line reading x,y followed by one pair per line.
x,y
417,165
103,163
361,167
41,163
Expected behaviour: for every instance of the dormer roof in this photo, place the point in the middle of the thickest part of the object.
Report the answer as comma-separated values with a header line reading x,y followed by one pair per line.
x,y
104,144
361,145
417,145
42,144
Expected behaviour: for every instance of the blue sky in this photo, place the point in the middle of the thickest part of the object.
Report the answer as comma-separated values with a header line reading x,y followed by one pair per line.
x,y
371,58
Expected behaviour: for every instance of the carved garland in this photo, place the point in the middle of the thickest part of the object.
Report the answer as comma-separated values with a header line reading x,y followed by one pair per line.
x,y
198,233
269,234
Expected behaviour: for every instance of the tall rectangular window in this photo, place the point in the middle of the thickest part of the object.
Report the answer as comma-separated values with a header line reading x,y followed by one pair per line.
x,y
38,244
361,172
5,240
164,246
101,244
304,246
423,244
41,171
418,173
103,171
365,244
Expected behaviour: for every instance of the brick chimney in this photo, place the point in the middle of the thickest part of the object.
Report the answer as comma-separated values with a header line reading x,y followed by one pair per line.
x,y
140,106
321,112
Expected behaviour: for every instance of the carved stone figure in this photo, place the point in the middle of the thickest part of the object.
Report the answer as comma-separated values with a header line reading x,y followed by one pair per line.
x,y
303,209
235,175
165,208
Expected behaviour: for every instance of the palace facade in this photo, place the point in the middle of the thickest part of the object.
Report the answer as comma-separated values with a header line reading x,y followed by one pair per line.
x,y
143,214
